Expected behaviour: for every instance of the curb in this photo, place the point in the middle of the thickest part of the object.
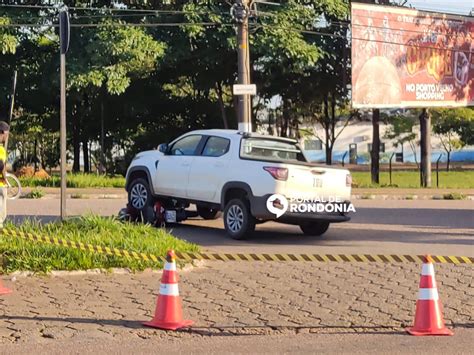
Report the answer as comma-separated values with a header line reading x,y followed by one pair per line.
x,y
188,267
354,197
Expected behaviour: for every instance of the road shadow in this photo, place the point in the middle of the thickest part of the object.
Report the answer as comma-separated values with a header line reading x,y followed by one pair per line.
x,y
222,330
429,217
216,236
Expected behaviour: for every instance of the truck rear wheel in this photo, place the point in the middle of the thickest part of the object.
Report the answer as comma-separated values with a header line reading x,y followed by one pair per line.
x,y
238,221
314,228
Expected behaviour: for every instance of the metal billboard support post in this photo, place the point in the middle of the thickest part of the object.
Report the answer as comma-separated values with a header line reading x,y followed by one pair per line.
x,y
64,28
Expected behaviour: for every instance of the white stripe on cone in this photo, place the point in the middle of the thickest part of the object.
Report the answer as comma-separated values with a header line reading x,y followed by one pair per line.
x,y
427,270
169,290
426,294
170,266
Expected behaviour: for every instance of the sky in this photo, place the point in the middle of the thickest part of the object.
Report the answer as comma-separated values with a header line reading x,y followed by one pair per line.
x,y
462,7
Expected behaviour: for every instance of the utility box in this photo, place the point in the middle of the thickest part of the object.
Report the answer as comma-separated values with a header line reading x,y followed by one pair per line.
x,y
353,153
382,147
399,157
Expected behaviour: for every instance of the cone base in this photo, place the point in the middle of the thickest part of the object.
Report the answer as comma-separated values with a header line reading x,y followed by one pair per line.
x,y
169,325
5,291
422,332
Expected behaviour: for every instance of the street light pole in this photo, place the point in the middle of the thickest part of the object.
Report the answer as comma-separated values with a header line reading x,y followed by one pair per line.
x,y
241,12
64,28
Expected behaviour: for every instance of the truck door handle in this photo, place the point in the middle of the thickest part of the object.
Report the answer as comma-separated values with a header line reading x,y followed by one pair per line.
x,y
185,164
219,165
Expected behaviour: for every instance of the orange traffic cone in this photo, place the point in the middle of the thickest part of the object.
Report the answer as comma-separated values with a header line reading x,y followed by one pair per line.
x,y
429,314
168,312
4,290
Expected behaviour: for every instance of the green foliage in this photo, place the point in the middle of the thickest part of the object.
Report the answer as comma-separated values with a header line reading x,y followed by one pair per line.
x,y
36,193
454,196
449,123
19,254
76,181
8,41
112,55
411,179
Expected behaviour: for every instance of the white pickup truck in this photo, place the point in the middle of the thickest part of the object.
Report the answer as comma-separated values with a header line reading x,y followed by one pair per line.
x,y
233,172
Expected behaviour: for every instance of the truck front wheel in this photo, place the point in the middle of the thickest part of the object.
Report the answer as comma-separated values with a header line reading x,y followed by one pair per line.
x,y
238,221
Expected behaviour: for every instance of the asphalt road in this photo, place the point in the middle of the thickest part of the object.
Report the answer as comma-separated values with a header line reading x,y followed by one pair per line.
x,y
377,226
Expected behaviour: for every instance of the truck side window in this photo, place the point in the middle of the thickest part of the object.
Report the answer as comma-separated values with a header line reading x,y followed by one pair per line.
x,y
215,147
186,146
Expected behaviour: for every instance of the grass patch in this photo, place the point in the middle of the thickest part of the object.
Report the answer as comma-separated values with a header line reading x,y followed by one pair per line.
x,y
454,196
36,193
19,254
411,179
76,181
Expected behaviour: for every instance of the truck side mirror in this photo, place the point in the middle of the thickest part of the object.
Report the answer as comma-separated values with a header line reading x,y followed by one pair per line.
x,y
163,148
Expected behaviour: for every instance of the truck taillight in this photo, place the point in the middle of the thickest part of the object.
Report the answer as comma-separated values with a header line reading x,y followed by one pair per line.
x,y
348,180
277,173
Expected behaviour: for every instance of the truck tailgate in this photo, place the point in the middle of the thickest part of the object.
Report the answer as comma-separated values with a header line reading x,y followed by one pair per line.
x,y
311,182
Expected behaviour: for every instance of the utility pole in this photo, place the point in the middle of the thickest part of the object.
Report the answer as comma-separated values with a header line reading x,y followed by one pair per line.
x,y
240,11
64,28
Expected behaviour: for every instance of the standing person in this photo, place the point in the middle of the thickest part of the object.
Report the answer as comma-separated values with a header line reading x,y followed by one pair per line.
x,y
4,132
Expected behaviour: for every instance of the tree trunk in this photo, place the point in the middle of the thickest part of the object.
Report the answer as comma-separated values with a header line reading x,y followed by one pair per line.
x,y
425,148
220,97
328,154
85,153
285,120
375,152
102,161
76,143
35,158
327,131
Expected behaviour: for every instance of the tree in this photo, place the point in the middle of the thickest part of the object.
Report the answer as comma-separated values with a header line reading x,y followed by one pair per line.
x,y
103,61
401,130
333,120
454,127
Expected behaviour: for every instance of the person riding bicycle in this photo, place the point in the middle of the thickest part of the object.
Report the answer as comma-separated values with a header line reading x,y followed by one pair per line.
x,y
4,132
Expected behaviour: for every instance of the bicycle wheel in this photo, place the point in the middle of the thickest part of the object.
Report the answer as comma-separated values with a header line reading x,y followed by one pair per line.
x,y
13,186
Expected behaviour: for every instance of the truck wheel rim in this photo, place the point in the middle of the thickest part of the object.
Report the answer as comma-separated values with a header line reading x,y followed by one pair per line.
x,y
138,196
235,218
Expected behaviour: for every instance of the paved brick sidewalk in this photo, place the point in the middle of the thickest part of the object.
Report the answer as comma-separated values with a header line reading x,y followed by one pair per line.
x,y
232,298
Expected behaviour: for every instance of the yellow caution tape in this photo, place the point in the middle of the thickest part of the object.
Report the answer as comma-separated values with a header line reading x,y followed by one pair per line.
x,y
185,256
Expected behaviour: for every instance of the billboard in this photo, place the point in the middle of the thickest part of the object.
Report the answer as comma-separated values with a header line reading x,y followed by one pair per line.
x,y
407,58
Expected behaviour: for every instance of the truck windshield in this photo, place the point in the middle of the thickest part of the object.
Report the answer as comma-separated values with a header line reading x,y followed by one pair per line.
x,y
270,149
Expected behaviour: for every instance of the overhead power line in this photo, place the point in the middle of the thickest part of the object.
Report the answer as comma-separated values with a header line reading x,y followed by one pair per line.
x,y
333,35
107,9
92,25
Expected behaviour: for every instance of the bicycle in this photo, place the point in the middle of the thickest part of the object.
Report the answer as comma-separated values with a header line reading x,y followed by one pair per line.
x,y
13,186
